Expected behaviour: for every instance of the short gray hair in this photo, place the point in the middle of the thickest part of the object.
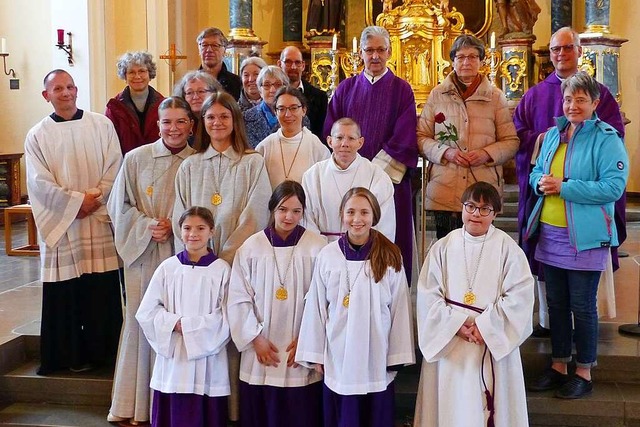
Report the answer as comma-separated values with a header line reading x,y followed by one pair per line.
x,y
212,32
581,81
375,31
252,60
212,84
139,58
574,35
464,41
274,72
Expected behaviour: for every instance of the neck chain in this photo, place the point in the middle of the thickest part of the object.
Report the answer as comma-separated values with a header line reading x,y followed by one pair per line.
x,y
216,199
355,175
154,179
345,300
282,293
469,297
284,168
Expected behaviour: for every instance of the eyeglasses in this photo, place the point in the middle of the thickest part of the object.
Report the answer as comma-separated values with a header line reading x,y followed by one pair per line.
x,y
471,208
292,109
470,58
565,48
140,72
213,117
577,101
269,86
289,63
379,50
168,124
201,93
206,46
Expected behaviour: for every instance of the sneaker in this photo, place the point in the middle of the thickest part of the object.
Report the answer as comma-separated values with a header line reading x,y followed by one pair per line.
x,y
575,388
549,380
82,368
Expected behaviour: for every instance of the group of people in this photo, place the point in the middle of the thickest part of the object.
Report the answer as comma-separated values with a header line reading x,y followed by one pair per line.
x,y
267,278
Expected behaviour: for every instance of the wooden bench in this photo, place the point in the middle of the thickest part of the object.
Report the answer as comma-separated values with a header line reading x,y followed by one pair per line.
x,y
32,248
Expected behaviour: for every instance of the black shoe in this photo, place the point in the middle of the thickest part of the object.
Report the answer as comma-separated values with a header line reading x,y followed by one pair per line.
x,y
576,388
541,332
549,380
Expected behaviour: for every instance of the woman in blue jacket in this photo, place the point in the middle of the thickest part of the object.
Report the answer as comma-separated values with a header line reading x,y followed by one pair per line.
x,y
581,171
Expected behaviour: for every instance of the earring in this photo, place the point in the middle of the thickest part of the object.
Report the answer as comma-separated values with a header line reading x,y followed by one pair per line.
x,y
160,134
191,133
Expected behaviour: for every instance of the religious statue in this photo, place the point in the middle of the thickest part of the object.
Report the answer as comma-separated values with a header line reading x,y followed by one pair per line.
x,y
517,16
324,17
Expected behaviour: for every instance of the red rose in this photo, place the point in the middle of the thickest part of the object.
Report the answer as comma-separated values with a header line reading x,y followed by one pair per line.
x,y
440,118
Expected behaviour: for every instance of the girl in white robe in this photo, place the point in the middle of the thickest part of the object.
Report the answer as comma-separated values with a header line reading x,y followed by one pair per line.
x,y
356,325
271,274
183,318
475,297
140,207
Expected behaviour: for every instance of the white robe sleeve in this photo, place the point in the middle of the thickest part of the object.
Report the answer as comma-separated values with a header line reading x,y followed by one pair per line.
x,y
154,319
312,337
383,189
244,324
313,198
401,346
208,334
438,323
506,324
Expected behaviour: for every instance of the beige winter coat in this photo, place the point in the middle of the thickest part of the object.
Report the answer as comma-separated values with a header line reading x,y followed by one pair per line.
x,y
483,121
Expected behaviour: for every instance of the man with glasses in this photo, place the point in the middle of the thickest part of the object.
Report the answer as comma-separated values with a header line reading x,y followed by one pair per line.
x,y
533,116
293,65
384,106
211,45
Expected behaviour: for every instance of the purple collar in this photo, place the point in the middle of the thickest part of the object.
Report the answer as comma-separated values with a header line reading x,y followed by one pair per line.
x,y
291,240
352,254
204,261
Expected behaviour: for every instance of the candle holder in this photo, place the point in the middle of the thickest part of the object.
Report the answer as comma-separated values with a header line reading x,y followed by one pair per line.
x,y
351,63
494,63
333,75
11,71
67,48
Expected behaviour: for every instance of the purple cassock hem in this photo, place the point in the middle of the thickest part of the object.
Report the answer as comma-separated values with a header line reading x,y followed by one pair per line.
x,y
360,410
204,261
188,410
292,239
269,406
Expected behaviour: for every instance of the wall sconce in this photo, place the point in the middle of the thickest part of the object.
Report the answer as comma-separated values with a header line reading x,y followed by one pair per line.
x,y
4,54
68,48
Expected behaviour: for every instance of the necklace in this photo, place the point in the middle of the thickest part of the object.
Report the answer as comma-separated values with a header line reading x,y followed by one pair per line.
x,y
282,293
469,297
355,174
149,189
284,168
345,300
216,199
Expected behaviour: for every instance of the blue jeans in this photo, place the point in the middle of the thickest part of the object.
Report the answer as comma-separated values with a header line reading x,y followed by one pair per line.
x,y
573,292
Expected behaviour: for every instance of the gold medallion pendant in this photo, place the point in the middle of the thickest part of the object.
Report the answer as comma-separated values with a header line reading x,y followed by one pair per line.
x,y
469,298
282,294
345,300
216,199
149,191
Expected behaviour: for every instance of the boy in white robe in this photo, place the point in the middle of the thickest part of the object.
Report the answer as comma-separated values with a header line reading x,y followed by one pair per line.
x,y
475,296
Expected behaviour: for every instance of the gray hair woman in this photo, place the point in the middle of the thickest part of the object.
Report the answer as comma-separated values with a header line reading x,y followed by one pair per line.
x,y
134,111
249,71
261,120
196,86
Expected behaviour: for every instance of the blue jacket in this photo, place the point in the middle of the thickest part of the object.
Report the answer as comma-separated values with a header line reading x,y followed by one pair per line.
x,y
596,169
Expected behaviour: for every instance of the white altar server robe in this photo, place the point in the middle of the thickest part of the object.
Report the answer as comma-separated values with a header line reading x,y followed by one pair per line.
x,y
195,361
358,343
253,308
450,391
324,185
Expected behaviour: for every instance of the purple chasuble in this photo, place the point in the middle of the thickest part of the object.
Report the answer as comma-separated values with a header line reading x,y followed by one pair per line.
x,y
386,113
535,114
204,261
292,239
188,410
359,410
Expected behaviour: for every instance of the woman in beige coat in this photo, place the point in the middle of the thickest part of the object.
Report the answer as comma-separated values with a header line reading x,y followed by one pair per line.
x,y
483,139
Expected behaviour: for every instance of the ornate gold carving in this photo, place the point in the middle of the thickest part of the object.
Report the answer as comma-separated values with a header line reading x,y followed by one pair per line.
x,y
508,65
321,69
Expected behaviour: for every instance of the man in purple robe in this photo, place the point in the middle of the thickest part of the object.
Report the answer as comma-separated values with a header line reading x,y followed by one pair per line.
x,y
385,108
533,116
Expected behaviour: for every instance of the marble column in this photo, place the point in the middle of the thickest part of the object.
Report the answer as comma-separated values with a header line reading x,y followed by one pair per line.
x,y
242,40
292,22
561,15
597,15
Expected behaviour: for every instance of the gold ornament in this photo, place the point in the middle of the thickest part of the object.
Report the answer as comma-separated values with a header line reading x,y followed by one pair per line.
x,y
149,191
469,298
345,300
216,199
282,294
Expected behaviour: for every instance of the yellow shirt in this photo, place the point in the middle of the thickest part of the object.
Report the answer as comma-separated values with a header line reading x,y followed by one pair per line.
x,y
553,211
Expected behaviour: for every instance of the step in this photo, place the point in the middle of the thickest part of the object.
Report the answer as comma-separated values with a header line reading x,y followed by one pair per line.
x,y
48,415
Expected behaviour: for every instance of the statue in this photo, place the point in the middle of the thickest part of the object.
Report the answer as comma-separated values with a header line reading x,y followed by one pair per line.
x,y
517,16
324,17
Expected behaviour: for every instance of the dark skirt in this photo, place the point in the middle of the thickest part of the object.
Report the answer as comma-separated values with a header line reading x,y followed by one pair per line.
x,y
359,410
269,406
188,410
81,322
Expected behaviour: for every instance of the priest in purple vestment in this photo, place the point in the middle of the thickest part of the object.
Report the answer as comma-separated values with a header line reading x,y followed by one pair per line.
x,y
384,107
535,114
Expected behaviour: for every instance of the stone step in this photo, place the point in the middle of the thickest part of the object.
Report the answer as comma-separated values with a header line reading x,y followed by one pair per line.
x,y
50,415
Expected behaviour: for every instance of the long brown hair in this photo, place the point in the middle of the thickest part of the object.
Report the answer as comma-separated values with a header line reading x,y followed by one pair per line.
x,y
384,253
238,136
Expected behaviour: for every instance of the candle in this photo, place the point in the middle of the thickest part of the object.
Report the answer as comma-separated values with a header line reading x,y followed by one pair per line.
x,y
60,36
334,45
493,40
355,45
3,45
